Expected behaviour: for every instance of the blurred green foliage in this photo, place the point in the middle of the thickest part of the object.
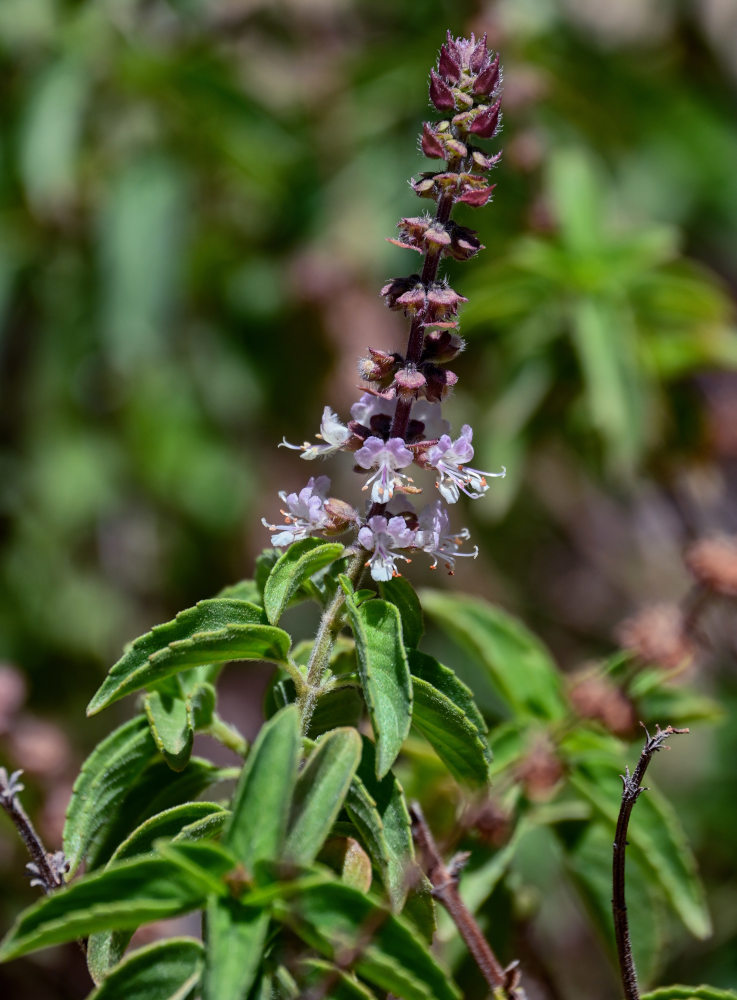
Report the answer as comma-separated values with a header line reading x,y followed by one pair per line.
x,y
193,200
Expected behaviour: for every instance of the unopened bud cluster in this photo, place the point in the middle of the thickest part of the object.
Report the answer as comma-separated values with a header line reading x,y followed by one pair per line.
x,y
397,422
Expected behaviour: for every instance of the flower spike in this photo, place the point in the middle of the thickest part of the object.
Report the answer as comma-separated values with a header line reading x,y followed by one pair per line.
x,y
398,422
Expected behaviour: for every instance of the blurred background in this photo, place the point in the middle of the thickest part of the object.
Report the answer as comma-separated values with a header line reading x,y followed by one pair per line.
x,y
194,200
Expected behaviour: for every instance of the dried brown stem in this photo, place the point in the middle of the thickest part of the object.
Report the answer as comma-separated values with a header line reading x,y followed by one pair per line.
x,y
47,869
503,982
630,793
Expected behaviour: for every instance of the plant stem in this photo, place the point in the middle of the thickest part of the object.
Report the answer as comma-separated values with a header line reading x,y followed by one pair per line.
x,y
227,735
46,874
445,889
330,626
630,794
417,327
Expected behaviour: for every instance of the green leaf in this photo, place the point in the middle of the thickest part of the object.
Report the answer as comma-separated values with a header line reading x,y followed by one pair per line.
x,y
655,832
612,379
657,699
378,810
171,823
516,663
385,676
218,629
331,917
166,970
201,701
155,790
400,592
263,797
190,821
589,863
331,982
124,896
689,993
244,590
320,791
172,727
235,936
291,570
446,715
102,785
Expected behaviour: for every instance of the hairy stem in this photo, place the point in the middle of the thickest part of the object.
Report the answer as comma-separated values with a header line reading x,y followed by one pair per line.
x,y
228,735
330,625
417,329
632,788
46,873
445,889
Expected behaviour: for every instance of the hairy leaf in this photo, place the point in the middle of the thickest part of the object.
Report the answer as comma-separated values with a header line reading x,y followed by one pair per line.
x,y
102,785
166,970
291,570
385,676
171,823
518,666
172,727
191,821
333,918
235,942
446,715
689,993
320,791
127,895
263,797
218,629
155,790
379,812
332,982
400,592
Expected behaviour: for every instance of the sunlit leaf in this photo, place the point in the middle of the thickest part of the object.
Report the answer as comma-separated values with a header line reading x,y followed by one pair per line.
x,y
217,629
379,812
166,970
262,800
509,656
296,565
385,676
332,917
320,791
446,715
235,937
102,785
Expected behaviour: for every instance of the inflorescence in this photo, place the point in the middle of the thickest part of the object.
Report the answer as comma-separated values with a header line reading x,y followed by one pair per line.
x,y
397,422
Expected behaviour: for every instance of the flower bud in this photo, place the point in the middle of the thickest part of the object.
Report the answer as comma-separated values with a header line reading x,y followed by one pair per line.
x,y
378,365
442,302
657,635
476,197
479,56
441,346
713,561
480,161
340,516
396,287
540,772
409,382
440,93
439,382
431,144
595,697
449,63
487,79
486,121
464,242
